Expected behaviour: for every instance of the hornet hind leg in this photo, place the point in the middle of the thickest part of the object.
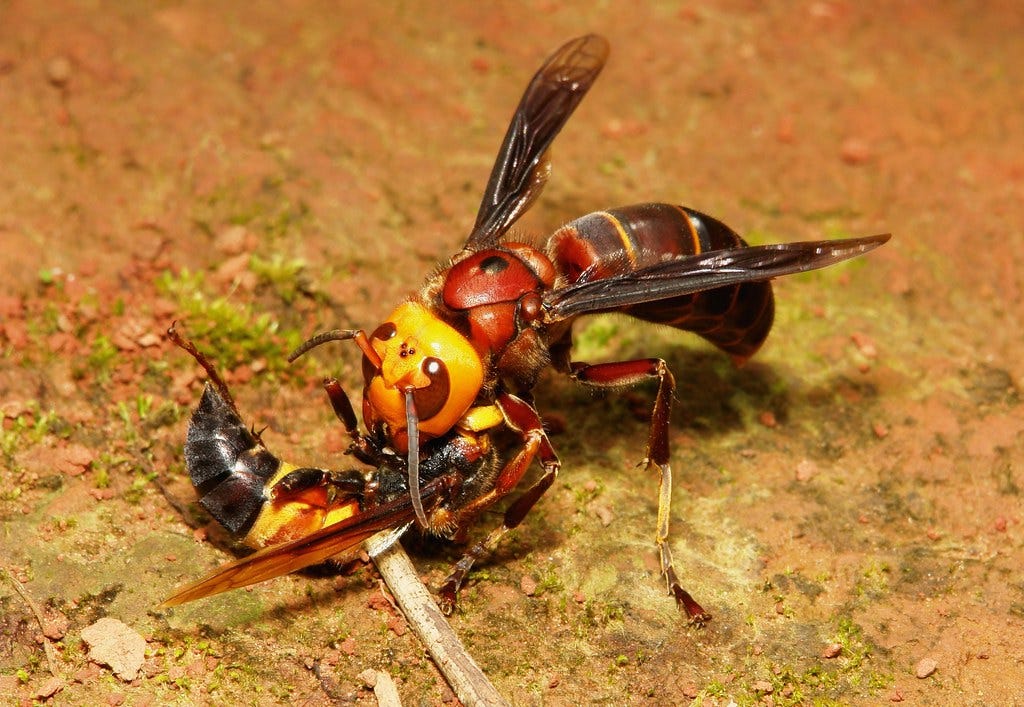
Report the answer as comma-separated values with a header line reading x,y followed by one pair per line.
x,y
623,373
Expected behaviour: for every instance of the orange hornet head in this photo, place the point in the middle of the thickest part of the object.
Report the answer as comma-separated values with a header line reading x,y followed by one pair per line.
x,y
420,354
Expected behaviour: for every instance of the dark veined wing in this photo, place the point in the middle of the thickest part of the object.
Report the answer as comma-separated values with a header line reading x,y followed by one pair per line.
x,y
697,273
521,169
278,560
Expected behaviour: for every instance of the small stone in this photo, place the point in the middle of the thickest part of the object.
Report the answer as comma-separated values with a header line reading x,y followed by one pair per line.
x,y
925,667
528,584
91,672
855,151
74,459
864,344
806,470
14,409
50,688
832,650
767,418
113,643
398,626
368,677
58,71
234,240
56,627
149,339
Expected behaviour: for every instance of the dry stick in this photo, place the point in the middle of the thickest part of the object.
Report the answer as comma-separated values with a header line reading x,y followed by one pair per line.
x,y
468,681
51,659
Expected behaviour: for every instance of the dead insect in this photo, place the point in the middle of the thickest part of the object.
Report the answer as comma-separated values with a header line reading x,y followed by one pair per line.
x,y
460,357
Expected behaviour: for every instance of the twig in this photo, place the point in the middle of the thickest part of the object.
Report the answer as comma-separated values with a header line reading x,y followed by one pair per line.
x,y
466,678
51,658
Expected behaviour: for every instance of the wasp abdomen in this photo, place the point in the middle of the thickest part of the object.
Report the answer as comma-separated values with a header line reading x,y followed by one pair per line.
x,y
735,318
227,464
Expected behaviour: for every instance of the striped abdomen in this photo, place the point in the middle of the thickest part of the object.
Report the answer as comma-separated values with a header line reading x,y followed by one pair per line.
x,y
734,318
257,497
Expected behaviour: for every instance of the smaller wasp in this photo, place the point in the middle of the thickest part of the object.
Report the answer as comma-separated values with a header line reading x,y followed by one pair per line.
x,y
459,359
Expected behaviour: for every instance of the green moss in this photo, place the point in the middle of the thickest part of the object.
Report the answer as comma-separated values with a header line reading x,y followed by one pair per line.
x,y
874,579
266,211
550,583
101,478
231,333
849,636
100,360
286,277
29,429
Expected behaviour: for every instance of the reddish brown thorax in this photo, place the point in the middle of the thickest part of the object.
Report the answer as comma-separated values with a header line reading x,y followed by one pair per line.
x,y
499,289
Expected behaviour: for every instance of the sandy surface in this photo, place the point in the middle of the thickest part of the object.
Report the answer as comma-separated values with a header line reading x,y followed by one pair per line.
x,y
847,505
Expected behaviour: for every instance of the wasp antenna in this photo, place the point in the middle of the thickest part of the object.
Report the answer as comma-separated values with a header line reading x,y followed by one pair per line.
x,y
322,338
211,370
412,426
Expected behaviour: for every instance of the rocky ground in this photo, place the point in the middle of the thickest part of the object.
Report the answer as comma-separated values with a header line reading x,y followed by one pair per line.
x,y
847,505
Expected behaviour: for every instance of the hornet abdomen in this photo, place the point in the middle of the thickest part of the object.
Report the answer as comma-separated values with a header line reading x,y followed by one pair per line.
x,y
735,318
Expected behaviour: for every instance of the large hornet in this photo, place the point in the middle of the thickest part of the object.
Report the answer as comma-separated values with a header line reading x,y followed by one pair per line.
x,y
459,358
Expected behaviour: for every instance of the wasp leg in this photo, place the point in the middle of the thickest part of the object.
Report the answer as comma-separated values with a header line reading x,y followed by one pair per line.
x,y
523,419
299,481
622,373
363,448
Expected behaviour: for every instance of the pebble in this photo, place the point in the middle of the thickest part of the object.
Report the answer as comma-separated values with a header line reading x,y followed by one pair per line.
x,y
855,151
112,642
58,71
50,688
865,344
925,667
806,470
368,677
832,650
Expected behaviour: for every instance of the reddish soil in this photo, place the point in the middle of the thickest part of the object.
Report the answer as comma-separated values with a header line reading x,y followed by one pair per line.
x,y
847,505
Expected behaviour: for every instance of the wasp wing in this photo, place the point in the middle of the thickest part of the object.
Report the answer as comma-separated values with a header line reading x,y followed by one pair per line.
x,y
696,273
318,547
521,169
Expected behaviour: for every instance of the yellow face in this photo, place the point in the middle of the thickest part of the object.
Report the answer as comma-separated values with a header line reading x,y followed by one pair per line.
x,y
419,352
